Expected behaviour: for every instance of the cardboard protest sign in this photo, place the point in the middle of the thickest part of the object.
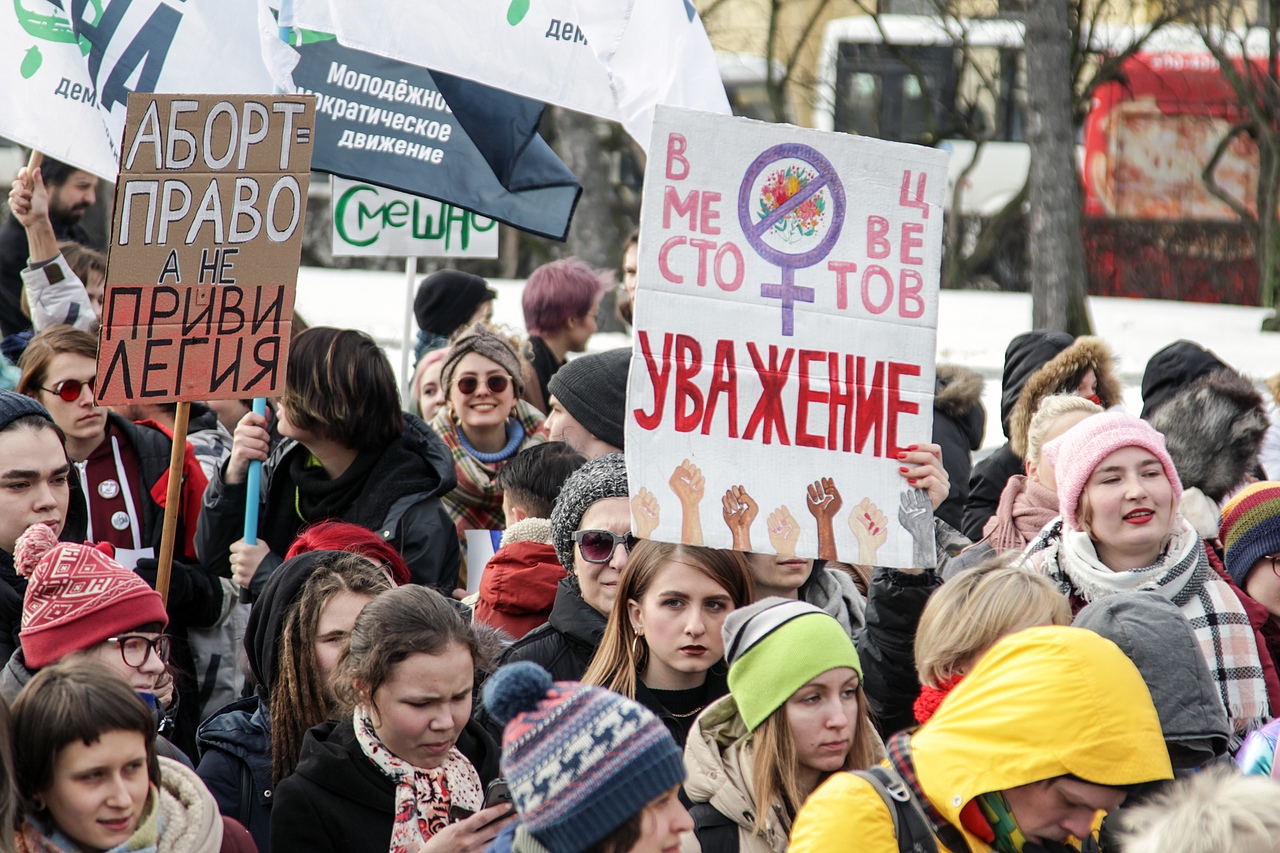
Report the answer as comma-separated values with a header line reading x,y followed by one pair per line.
x,y
204,247
785,334
373,220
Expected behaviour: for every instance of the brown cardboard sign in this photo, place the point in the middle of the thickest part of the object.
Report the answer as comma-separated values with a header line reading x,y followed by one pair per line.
x,y
205,245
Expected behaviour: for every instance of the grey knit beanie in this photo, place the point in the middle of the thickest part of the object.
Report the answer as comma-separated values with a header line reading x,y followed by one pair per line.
x,y
593,388
484,341
602,477
14,406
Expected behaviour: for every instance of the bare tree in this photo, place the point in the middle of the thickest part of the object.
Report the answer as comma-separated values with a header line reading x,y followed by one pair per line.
x,y
1246,46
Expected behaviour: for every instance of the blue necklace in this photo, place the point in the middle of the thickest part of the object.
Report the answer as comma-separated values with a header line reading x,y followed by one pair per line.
x,y
515,435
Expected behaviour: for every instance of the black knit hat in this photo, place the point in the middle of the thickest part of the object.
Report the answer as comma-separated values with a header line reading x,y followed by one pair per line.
x,y
14,406
447,299
593,388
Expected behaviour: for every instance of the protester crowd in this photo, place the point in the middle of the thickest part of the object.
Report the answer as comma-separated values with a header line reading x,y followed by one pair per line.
x,y
1087,662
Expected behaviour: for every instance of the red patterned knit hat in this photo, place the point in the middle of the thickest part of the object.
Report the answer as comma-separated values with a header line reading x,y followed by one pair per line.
x,y
76,597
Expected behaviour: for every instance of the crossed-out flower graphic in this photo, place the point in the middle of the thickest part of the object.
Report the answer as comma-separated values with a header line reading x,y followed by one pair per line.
x,y
782,185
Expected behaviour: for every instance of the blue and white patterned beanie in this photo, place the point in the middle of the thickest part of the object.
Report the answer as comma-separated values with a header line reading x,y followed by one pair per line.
x,y
580,761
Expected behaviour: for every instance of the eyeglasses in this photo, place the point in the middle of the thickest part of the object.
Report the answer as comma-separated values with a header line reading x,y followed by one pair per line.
x,y
69,389
597,546
497,383
1275,563
135,648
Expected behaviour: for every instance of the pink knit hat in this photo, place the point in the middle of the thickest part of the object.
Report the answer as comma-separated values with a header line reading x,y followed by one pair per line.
x,y
76,597
1077,452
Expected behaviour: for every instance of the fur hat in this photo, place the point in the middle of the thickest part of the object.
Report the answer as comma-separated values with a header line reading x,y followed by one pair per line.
x,y
581,760
77,597
1214,429
485,341
602,477
1077,452
1172,369
1061,374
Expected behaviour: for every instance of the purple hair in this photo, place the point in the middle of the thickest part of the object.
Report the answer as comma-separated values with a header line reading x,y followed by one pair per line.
x,y
560,290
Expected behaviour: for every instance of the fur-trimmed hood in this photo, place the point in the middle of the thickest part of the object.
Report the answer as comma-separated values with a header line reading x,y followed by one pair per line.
x,y
1060,374
1213,429
958,396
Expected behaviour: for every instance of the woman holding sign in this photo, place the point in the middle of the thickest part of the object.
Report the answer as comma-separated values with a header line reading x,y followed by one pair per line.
x,y
662,645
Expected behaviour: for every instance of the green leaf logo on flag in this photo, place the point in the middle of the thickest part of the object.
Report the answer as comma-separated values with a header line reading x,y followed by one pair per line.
x,y
517,11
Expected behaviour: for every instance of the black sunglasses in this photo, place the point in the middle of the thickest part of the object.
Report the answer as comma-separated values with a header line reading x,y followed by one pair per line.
x,y
497,383
69,389
597,546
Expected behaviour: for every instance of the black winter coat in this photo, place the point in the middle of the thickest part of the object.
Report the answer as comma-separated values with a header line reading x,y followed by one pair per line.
x,y
338,800
986,484
235,765
400,501
959,421
886,648
565,645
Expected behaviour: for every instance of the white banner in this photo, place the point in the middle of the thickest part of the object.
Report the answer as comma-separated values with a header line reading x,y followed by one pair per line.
x,y
66,94
615,59
372,220
785,332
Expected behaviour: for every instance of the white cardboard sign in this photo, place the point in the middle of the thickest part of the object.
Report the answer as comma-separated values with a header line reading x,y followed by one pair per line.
x,y
373,220
785,336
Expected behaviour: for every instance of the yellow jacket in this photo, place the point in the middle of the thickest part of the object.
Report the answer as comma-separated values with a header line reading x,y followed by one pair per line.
x,y
1042,703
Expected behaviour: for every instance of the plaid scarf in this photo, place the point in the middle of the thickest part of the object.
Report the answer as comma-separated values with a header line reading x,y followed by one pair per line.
x,y
898,749
476,502
1182,575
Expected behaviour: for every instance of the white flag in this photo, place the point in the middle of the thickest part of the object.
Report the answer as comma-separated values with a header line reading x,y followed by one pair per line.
x,y
617,59
65,89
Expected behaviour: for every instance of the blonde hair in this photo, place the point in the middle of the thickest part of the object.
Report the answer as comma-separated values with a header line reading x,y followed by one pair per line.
x,y
775,775
975,609
1051,408
1206,813
622,655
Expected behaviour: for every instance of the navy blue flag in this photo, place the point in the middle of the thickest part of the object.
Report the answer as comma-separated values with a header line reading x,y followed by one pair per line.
x,y
406,128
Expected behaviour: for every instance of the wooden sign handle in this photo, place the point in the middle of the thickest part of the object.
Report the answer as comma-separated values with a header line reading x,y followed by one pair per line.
x,y
173,500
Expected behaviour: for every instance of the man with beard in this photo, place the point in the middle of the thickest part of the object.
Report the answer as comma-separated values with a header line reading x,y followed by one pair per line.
x,y
71,193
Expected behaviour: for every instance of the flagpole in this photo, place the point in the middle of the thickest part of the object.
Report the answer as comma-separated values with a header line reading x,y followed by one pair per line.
x,y
406,357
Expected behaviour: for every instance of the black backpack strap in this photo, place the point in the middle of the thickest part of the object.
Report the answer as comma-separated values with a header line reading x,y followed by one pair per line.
x,y
910,826
715,832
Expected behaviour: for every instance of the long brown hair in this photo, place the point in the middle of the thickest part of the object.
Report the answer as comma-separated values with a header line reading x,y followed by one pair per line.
x,y
621,657
775,770
300,698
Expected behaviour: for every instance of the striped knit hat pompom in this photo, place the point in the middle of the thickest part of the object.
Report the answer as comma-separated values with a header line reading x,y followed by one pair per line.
x,y
516,689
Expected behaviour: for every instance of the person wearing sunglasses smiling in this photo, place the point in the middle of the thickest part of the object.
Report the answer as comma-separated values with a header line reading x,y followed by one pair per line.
x,y
120,622
485,423
591,532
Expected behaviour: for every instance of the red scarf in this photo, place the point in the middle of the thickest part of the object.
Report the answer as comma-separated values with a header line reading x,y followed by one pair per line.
x,y
930,698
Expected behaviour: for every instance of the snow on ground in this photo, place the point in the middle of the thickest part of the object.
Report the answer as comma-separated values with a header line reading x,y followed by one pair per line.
x,y
973,328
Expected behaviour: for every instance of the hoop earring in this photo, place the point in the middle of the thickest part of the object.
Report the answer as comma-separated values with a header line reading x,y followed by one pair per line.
x,y
639,652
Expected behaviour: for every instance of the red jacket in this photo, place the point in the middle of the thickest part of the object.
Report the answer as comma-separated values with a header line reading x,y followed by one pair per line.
x,y
519,587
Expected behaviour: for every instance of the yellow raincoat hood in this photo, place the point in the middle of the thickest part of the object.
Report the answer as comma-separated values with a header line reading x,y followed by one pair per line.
x,y
1041,703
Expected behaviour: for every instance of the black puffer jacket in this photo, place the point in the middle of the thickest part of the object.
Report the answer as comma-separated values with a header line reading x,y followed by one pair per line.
x,y
1025,354
565,645
959,421
886,648
400,500
338,800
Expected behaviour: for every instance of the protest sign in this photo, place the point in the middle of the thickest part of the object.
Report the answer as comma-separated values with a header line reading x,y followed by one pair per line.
x,y
388,123
785,331
204,248
371,220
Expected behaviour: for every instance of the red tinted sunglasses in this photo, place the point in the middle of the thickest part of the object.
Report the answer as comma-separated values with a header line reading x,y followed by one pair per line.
x,y
69,389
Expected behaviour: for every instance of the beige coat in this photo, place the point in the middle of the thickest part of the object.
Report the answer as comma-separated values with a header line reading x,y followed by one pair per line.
x,y
718,758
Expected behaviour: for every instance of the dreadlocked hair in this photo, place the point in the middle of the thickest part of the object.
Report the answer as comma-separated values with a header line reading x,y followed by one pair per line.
x,y
300,697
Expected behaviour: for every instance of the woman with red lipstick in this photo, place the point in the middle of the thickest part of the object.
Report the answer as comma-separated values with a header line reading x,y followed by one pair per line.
x,y
404,769
662,643
795,715
1120,531
89,777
